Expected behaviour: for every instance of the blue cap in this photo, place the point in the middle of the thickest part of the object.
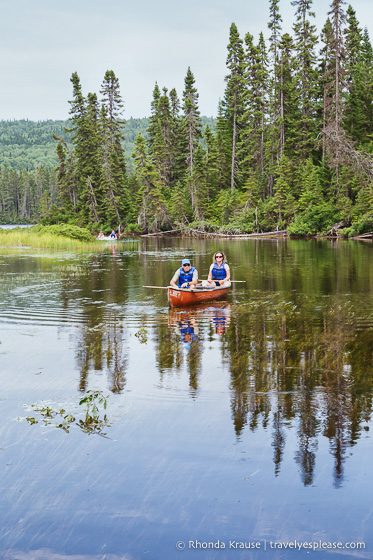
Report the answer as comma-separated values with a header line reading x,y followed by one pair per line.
x,y
185,261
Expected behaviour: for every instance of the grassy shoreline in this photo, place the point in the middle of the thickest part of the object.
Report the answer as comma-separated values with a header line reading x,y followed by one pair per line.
x,y
28,237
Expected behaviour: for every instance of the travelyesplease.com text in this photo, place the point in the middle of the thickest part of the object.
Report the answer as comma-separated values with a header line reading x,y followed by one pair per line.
x,y
268,545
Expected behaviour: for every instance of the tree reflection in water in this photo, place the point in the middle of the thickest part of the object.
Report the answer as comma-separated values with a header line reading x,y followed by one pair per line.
x,y
102,347
296,360
184,324
291,365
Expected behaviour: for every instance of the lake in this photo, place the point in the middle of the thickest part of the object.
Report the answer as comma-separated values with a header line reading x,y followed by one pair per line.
x,y
239,429
9,226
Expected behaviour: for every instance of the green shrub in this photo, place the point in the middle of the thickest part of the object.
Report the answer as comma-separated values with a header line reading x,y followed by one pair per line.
x,y
316,219
67,230
233,228
203,225
133,228
362,225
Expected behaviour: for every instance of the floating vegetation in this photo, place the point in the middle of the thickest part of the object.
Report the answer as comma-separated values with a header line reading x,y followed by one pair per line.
x,y
92,421
142,335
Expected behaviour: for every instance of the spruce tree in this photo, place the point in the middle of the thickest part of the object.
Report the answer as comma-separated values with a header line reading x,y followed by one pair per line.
x,y
191,122
178,161
153,213
253,122
334,84
233,103
66,178
84,115
113,174
224,145
161,150
263,105
152,129
283,192
359,69
214,179
311,192
335,71
289,108
306,76
191,127
200,189
274,138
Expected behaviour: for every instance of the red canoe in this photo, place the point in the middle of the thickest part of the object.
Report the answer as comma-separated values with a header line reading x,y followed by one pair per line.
x,y
180,297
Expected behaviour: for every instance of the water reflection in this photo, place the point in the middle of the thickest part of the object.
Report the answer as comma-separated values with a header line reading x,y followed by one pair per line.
x,y
252,410
294,346
289,367
102,347
220,318
283,360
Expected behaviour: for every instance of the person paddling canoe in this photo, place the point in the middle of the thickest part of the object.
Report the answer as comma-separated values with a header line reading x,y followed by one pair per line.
x,y
186,276
219,273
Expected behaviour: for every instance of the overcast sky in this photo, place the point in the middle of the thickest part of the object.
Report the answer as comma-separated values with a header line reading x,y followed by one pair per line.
x,y
42,42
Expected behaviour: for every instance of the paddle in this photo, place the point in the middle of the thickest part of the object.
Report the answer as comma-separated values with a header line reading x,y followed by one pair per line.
x,y
231,281
164,287
157,287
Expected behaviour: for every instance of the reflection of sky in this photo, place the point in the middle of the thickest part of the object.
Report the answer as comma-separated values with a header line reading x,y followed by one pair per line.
x,y
172,470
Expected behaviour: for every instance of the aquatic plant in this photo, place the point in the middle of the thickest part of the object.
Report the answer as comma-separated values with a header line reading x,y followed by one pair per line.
x,y
91,423
142,335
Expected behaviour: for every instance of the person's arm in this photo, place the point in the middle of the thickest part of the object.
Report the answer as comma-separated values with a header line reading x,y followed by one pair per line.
x,y
194,279
209,277
174,279
228,277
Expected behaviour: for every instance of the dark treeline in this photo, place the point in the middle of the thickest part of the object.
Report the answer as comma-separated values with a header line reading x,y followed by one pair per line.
x,y
290,148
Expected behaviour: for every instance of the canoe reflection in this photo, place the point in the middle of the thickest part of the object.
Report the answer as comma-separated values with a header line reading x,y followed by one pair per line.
x,y
221,318
185,320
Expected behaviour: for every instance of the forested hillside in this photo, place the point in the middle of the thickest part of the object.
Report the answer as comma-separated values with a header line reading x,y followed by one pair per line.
x,y
28,162
291,146
27,144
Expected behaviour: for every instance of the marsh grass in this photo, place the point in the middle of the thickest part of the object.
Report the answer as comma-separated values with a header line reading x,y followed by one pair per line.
x,y
41,240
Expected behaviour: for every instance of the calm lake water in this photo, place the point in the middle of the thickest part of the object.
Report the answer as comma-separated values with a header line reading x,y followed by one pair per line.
x,y
7,226
236,430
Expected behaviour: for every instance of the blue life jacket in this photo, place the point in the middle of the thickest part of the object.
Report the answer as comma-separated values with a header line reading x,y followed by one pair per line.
x,y
218,272
185,276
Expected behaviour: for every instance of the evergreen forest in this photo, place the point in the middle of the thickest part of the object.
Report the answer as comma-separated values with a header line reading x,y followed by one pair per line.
x,y
290,147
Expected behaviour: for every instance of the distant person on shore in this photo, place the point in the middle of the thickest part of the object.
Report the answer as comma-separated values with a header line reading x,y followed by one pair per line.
x,y
219,273
186,276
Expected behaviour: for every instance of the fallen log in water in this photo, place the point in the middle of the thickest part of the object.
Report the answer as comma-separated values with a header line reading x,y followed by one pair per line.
x,y
160,233
198,233
367,235
190,232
